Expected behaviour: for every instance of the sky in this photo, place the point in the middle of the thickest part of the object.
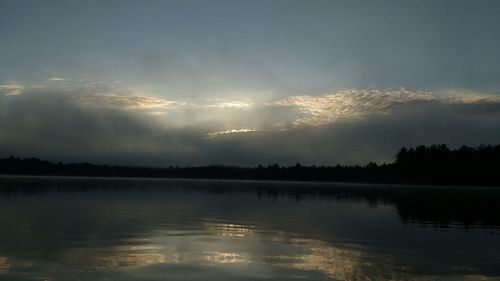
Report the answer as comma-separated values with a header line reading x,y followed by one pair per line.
x,y
159,83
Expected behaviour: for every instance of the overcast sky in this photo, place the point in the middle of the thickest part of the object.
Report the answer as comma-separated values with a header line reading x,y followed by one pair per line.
x,y
245,82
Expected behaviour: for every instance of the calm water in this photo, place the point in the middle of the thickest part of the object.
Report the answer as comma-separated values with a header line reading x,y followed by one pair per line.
x,y
104,229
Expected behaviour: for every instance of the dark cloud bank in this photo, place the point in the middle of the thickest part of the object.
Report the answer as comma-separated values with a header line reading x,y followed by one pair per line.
x,y
55,125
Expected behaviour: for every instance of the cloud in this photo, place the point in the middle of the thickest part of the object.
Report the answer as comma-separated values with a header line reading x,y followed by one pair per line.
x,y
231,104
12,89
157,113
349,105
57,79
353,104
125,101
232,131
354,126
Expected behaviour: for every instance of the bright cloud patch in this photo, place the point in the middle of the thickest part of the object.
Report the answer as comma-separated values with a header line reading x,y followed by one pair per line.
x,y
125,101
355,104
232,131
12,89
57,79
231,104
473,99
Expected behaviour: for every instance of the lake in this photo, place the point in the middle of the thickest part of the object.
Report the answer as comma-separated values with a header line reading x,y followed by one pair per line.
x,y
147,229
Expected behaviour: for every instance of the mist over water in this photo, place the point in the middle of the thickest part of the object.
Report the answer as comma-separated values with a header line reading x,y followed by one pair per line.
x,y
122,229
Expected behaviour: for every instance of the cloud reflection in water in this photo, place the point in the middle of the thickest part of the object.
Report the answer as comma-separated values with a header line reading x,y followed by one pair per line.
x,y
215,230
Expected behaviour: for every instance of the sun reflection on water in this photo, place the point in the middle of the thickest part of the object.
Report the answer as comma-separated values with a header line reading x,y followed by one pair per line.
x,y
231,244
354,264
4,264
226,258
336,262
228,245
120,256
231,230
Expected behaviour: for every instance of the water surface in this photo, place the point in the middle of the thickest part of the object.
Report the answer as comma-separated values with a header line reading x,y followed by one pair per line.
x,y
143,229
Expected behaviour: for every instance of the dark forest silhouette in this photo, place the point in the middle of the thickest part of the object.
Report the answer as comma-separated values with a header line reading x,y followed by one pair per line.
x,y
435,164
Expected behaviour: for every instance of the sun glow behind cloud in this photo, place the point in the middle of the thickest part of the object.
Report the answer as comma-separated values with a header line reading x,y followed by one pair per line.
x,y
232,131
57,79
125,118
348,105
232,104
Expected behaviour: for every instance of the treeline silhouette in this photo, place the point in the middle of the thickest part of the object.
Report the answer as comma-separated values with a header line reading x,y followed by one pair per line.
x,y
435,164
